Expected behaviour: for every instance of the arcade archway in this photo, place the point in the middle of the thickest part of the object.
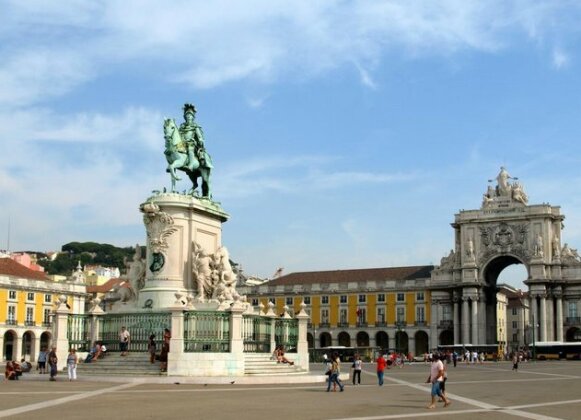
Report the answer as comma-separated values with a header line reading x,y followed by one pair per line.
x,y
9,349
382,340
344,339
362,339
422,343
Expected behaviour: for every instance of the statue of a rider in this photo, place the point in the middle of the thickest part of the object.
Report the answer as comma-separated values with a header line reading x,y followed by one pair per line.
x,y
193,137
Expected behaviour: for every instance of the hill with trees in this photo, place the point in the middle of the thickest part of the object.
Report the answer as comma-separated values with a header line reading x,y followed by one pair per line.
x,y
88,253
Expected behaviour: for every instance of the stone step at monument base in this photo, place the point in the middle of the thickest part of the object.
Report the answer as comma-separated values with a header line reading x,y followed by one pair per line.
x,y
263,365
113,364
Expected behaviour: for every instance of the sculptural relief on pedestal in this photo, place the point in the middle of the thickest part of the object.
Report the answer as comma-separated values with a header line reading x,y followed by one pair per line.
x,y
213,275
159,226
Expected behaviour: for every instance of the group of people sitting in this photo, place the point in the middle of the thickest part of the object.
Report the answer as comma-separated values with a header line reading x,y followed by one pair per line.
x,y
14,369
278,355
98,351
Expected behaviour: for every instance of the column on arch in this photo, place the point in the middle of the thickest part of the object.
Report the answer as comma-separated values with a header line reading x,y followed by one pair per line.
x,y
465,320
550,312
559,323
482,326
474,308
534,315
543,318
434,320
457,339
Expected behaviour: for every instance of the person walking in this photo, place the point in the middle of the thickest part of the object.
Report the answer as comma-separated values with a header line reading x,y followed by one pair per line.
x,y
380,368
335,372
52,363
72,365
124,338
436,378
42,355
357,364
515,362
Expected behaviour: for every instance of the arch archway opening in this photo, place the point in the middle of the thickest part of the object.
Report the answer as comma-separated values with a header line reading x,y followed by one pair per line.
x,y
503,269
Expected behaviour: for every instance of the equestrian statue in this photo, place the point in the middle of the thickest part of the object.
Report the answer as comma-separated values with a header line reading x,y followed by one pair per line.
x,y
185,150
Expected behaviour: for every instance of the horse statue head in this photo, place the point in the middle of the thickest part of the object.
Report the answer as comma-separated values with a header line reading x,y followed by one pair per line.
x,y
171,133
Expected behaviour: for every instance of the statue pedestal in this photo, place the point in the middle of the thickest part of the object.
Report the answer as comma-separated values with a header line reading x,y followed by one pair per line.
x,y
173,223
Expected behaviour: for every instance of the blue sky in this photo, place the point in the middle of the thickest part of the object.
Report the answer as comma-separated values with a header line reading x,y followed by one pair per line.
x,y
344,134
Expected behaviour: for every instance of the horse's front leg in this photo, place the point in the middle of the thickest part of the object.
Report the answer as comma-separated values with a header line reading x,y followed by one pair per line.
x,y
172,170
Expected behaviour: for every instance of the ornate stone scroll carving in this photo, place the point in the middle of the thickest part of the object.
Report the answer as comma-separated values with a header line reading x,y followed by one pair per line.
x,y
159,226
503,238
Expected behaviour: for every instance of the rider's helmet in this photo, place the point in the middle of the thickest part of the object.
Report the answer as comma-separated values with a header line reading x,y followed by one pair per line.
x,y
189,109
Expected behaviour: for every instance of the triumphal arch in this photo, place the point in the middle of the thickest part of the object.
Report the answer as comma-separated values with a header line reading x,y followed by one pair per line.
x,y
505,230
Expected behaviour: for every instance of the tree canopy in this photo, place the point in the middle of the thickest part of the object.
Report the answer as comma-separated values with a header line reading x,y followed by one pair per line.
x,y
91,253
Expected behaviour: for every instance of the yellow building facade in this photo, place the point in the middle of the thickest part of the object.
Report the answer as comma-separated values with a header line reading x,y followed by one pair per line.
x,y
385,309
27,302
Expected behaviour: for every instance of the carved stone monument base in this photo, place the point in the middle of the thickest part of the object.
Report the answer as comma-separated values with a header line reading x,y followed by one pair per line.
x,y
174,222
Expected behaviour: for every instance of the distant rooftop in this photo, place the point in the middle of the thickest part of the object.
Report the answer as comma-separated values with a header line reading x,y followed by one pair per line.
x,y
9,267
355,275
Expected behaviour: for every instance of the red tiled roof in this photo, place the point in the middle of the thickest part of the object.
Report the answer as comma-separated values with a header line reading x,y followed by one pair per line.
x,y
357,275
105,287
9,267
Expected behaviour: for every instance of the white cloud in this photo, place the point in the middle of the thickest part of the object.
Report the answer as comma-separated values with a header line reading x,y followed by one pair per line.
x,y
560,59
36,76
202,45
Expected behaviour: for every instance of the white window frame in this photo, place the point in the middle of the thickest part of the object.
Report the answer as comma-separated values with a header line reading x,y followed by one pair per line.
x,y
11,315
420,313
343,318
381,314
325,316
400,314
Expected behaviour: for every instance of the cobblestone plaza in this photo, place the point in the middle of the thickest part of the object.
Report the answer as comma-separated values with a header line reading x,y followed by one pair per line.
x,y
540,390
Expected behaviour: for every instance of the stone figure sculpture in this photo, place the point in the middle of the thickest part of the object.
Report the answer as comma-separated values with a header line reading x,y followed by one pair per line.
x,y
538,247
185,150
136,272
202,272
518,193
570,254
556,247
470,249
504,190
448,261
226,286
213,274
